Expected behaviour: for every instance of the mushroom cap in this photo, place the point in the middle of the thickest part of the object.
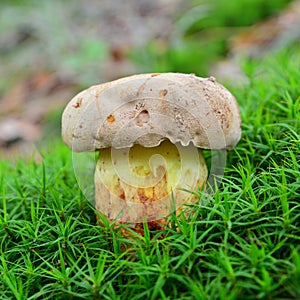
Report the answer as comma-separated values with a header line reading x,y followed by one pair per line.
x,y
146,109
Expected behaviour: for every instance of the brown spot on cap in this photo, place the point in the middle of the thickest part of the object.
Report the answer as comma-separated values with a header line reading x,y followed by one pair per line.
x,y
163,93
110,119
78,103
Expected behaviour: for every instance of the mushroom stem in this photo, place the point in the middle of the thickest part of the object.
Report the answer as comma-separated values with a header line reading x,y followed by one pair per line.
x,y
140,184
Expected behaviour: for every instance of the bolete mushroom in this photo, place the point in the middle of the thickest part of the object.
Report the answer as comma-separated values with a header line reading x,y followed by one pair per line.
x,y
149,130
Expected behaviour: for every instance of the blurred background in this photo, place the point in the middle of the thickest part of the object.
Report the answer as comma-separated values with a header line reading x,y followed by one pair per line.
x,y
50,50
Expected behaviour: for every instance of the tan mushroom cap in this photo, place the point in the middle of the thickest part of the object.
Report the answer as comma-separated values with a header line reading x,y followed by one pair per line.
x,y
146,109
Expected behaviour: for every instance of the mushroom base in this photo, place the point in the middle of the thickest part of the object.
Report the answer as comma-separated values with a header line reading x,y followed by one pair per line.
x,y
146,184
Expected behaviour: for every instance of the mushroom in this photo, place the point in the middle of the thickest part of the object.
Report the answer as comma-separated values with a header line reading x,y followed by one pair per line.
x,y
149,130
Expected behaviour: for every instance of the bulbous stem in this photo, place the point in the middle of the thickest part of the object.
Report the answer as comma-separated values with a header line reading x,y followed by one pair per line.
x,y
139,184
